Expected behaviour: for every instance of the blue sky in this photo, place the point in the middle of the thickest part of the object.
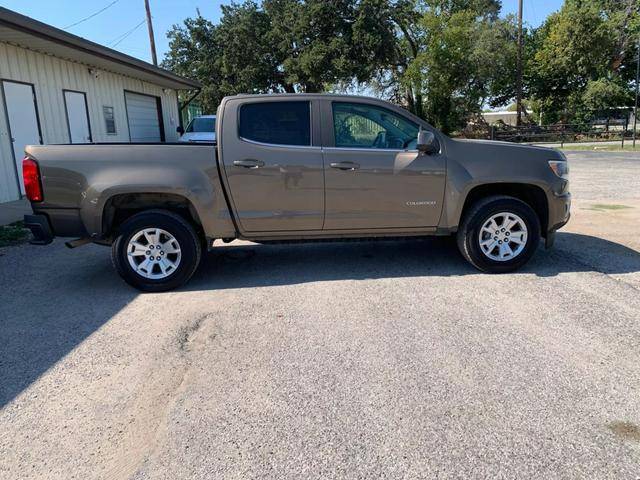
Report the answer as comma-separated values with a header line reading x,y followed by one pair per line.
x,y
107,27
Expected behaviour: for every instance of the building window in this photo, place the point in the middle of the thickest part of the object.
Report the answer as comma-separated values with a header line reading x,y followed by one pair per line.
x,y
109,120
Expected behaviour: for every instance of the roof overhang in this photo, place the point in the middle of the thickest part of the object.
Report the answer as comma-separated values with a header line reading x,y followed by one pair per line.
x,y
28,33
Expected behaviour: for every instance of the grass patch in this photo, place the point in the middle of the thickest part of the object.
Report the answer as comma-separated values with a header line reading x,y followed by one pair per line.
x,y
600,148
603,207
13,234
607,206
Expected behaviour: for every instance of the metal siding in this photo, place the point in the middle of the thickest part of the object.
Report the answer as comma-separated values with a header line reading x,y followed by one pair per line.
x,y
50,76
8,185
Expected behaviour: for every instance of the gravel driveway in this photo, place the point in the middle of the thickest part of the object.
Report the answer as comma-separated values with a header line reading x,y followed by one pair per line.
x,y
338,360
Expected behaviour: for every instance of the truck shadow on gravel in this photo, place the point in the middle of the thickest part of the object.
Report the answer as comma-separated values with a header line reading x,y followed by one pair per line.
x,y
52,299
245,266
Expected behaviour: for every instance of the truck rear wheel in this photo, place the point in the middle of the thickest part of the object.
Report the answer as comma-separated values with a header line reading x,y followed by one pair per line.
x,y
499,234
156,251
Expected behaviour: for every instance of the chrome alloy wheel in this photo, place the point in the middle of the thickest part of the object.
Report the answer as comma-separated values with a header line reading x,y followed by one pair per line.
x,y
153,253
503,236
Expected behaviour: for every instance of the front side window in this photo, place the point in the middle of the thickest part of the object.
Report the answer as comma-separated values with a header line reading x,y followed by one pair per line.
x,y
357,125
279,123
201,124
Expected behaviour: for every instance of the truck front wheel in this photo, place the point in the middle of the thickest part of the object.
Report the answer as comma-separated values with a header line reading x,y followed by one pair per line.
x,y
499,234
156,250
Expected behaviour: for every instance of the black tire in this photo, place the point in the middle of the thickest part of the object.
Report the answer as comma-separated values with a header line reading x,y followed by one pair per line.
x,y
184,234
469,231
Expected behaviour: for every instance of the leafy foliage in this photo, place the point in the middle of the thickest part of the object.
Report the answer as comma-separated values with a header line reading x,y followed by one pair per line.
x,y
13,234
452,57
585,59
281,46
444,60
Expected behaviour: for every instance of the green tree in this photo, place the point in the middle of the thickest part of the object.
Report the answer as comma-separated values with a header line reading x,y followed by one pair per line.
x,y
444,60
229,58
322,43
584,61
452,58
194,54
281,46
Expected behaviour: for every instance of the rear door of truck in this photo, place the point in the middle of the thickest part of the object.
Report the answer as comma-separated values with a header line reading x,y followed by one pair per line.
x,y
272,158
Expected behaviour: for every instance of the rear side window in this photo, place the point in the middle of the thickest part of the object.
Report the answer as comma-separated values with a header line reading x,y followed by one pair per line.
x,y
280,123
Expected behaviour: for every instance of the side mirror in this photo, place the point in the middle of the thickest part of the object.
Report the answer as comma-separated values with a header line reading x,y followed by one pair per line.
x,y
427,142
180,130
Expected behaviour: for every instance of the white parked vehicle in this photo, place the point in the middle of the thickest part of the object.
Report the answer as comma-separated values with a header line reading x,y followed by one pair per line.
x,y
199,129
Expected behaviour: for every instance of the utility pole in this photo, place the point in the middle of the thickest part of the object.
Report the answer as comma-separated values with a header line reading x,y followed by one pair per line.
x,y
519,68
152,41
635,109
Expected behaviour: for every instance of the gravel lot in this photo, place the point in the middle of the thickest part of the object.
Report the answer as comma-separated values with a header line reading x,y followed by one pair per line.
x,y
345,360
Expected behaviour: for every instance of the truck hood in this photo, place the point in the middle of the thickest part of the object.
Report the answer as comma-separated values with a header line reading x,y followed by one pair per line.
x,y
490,147
485,161
198,137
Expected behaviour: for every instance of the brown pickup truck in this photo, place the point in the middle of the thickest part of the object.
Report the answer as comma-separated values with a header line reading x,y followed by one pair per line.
x,y
296,167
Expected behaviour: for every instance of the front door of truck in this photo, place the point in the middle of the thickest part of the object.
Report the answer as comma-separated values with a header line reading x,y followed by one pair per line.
x,y
274,168
374,176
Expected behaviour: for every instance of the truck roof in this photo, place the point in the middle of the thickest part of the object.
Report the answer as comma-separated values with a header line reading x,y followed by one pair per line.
x,y
295,95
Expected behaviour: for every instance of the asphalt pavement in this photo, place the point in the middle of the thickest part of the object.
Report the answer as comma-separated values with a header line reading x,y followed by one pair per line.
x,y
391,359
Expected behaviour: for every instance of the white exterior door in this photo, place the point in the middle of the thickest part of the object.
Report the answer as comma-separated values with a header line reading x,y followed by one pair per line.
x,y
23,120
77,117
144,116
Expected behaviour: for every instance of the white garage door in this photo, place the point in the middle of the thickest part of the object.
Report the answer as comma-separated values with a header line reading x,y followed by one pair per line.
x,y
143,113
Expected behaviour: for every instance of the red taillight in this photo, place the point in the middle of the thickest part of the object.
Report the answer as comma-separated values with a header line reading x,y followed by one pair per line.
x,y
31,178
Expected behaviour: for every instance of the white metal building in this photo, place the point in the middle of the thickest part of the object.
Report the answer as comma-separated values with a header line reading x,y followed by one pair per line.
x,y
508,117
59,88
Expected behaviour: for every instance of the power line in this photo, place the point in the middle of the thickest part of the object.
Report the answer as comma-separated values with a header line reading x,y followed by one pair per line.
x,y
120,38
91,16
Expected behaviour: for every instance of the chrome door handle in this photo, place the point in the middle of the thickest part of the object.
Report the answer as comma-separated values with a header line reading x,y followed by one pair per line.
x,y
345,165
249,163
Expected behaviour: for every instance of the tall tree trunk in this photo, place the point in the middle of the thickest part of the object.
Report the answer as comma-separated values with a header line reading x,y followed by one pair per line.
x,y
414,93
311,87
411,104
419,108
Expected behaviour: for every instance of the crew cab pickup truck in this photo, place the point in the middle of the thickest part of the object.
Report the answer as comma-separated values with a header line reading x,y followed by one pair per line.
x,y
296,167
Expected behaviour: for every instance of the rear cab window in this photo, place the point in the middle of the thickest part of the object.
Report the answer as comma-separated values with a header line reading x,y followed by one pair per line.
x,y
276,123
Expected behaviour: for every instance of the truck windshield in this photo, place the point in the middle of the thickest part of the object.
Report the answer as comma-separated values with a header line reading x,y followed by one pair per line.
x,y
201,124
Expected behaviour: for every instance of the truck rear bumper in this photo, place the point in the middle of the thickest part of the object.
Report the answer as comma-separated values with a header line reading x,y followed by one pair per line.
x,y
40,229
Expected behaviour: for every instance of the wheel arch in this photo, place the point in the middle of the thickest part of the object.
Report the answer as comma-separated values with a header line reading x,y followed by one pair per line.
x,y
532,195
122,206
